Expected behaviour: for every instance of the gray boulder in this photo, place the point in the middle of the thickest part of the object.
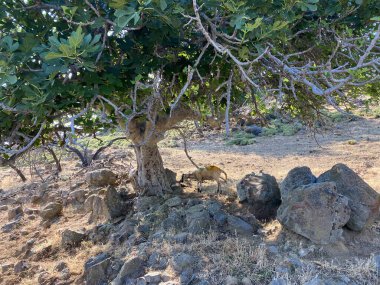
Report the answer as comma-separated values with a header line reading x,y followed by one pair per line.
x,y
198,219
51,210
101,177
133,267
15,213
174,202
182,261
10,226
362,199
254,130
296,177
278,281
78,196
71,238
262,194
21,266
342,280
96,269
96,205
239,226
115,203
315,211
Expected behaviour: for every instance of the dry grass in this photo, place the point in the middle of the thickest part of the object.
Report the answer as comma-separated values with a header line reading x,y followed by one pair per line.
x,y
247,257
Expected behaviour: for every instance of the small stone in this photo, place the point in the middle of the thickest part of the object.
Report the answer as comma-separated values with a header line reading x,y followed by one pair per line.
x,y
273,249
153,277
9,226
7,266
174,202
78,196
278,281
155,261
239,226
71,238
141,281
29,211
101,177
36,199
182,261
51,210
65,274
21,266
246,281
203,282
186,276
32,217
181,237
95,269
60,266
316,281
15,213
3,208
230,280
132,268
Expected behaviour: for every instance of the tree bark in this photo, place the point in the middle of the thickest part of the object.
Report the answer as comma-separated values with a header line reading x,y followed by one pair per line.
x,y
56,160
151,176
19,172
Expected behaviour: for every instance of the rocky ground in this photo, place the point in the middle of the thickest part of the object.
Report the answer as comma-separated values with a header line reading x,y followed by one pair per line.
x,y
76,229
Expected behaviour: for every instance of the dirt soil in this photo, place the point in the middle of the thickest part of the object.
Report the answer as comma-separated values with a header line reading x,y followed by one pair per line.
x,y
354,143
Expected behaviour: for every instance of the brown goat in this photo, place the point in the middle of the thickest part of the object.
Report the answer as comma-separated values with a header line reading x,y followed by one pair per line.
x,y
209,172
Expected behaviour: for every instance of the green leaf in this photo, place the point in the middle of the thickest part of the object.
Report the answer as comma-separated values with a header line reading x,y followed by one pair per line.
x,y
243,53
53,40
52,55
69,10
136,18
278,25
28,43
359,2
76,38
163,5
12,79
312,7
66,50
121,13
117,4
375,18
87,39
95,39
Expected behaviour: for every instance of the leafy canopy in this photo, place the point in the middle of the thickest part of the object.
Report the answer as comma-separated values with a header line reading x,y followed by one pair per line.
x,y
141,57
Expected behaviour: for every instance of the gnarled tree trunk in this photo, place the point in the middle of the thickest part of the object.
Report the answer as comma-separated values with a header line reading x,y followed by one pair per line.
x,y
151,175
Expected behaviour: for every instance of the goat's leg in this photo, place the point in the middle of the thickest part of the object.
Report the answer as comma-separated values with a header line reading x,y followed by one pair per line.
x,y
218,190
199,186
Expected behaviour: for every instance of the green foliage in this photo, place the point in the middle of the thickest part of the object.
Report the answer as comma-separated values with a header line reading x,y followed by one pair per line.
x,y
101,140
77,49
7,70
277,126
241,138
55,56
